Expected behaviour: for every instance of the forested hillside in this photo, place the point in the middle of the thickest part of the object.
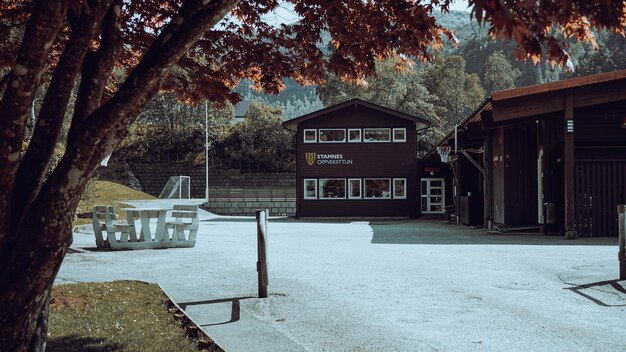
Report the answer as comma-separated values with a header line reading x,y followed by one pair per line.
x,y
476,48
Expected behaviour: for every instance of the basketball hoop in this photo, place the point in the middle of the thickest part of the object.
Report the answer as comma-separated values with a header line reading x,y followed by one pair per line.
x,y
444,151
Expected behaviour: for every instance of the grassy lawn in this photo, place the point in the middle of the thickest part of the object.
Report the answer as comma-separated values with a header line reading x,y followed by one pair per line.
x,y
107,193
113,316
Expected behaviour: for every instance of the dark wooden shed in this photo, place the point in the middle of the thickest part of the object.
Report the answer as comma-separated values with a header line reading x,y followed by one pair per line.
x,y
356,159
549,156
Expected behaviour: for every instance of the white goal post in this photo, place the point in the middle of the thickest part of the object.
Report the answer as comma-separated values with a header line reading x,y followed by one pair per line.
x,y
178,187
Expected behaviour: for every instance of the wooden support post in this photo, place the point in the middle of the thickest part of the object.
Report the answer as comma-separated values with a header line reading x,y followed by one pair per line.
x,y
621,212
261,265
568,165
488,194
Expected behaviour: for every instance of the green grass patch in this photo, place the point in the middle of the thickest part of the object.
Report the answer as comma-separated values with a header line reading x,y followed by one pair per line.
x,y
113,316
106,193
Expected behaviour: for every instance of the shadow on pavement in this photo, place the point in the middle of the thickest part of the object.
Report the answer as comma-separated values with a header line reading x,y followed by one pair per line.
x,y
235,312
437,232
596,286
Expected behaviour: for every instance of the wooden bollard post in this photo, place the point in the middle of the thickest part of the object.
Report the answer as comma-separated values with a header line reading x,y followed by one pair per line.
x,y
621,212
261,265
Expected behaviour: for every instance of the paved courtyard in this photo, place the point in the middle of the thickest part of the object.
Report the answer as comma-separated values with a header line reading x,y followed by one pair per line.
x,y
418,285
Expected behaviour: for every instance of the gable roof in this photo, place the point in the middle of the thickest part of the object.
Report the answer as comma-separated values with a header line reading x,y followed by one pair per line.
x,y
293,123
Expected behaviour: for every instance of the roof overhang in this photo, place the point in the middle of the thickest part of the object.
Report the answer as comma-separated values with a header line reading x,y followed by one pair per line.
x,y
526,102
292,124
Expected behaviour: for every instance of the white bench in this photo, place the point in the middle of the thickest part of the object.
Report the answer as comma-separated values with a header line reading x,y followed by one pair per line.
x,y
105,219
186,218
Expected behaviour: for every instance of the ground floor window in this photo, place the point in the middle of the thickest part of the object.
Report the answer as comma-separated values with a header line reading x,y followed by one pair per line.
x,y
332,188
433,196
377,188
399,187
310,188
355,188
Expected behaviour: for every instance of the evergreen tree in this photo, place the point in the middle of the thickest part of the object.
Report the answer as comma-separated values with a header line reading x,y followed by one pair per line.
x,y
499,74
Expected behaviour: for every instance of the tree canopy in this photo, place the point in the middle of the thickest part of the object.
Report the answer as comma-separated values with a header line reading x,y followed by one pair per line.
x,y
118,54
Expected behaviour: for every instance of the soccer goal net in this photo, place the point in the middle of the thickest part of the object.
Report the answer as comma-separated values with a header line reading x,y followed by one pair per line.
x,y
178,187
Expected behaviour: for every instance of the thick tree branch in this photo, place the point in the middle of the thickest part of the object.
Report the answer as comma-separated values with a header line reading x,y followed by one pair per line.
x,y
192,20
34,164
41,29
97,68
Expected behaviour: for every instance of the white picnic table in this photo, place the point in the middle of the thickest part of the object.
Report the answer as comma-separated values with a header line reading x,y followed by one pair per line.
x,y
145,215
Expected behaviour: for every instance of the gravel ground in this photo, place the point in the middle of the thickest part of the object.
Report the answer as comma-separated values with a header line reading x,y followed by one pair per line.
x,y
418,285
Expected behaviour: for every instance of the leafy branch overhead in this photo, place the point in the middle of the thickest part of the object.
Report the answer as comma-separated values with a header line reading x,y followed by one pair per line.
x,y
118,54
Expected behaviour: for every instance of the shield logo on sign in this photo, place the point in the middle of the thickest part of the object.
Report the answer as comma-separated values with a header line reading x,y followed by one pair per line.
x,y
310,158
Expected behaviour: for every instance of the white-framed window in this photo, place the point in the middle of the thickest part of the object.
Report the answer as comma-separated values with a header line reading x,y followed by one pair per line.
x,y
310,136
310,188
377,188
399,134
376,135
332,188
433,196
332,135
354,135
399,188
354,188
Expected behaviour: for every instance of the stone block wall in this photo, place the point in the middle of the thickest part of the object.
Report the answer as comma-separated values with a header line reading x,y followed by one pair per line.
x,y
154,176
276,208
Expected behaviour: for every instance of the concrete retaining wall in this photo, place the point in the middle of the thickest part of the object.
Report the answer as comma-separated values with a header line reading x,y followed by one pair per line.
x,y
249,207
154,176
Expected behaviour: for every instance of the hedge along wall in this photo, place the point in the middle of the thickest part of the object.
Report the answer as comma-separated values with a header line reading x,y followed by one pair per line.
x,y
154,176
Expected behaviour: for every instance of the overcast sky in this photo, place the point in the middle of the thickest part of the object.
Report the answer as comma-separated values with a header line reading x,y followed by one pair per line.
x,y
285,13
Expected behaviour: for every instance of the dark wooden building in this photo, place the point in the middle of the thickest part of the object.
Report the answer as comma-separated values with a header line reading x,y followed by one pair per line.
x,y
549,156
356,159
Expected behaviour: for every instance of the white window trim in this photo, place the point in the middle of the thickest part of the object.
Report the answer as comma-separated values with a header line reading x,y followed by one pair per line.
x,y
364,190
393,134
315,183
376,128
360,135
308,130
350,196
394,188
320,189
332,129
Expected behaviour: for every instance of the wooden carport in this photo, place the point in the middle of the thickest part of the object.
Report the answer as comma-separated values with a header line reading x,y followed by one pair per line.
x,y
576,115
553,155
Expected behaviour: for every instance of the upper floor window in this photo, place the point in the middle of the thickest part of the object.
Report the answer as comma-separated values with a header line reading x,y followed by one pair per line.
x,y
376,135
310,136
399,134
354,135
332,135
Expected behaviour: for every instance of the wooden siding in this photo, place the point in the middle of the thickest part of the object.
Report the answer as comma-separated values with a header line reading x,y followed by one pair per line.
x,y
599,187
375,159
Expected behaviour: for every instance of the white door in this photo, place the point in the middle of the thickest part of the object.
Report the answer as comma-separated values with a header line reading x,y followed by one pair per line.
x,y
433,196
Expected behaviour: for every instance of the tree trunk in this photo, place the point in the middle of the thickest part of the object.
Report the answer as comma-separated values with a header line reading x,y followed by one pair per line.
x,y
35,237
